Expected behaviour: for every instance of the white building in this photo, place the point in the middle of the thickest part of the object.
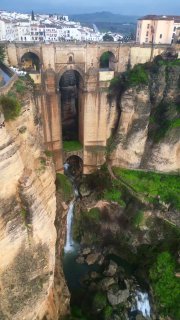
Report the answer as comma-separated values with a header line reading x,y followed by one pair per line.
x,y
47,28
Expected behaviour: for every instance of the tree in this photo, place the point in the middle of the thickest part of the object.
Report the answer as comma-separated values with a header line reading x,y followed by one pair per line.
x,y
165,285
108,37
2,53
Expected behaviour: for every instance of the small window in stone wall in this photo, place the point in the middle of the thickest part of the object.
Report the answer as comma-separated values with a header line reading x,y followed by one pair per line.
x,y
160,36
70,59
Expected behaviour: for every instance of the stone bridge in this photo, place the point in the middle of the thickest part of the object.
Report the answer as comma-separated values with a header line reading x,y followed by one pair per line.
x,y
73,81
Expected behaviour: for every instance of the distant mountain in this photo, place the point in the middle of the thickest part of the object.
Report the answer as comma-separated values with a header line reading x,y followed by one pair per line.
x,y
103,17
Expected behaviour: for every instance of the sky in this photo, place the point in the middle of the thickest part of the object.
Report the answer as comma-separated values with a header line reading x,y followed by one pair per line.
x,y
130,7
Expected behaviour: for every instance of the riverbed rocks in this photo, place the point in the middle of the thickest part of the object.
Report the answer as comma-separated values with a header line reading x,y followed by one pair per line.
x,y
80,260
111,269
116,296
92,258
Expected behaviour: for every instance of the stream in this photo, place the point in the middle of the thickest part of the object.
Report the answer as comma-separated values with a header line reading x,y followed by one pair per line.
x,y
74,272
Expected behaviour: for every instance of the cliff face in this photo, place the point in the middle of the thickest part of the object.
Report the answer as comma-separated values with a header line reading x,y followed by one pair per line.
x,y
148,132
27,231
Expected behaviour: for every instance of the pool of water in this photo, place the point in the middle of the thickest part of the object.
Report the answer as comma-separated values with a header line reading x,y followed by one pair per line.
x,y
74,271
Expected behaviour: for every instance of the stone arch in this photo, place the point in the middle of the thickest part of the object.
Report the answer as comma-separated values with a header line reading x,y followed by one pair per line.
x,y
107,60
74,165
75,68
31,61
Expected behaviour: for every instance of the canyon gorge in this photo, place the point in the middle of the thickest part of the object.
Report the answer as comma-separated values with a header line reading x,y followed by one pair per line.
x,y
126,206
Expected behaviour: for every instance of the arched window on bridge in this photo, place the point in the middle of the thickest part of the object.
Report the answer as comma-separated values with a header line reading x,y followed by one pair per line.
x,y
70,86
70,59
107,61
30,62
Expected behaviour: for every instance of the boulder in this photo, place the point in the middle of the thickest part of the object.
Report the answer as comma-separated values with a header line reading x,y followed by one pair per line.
x,y
92,258
117,297
86,251
101,260
140,317
112,269
80,260
94,275
106,283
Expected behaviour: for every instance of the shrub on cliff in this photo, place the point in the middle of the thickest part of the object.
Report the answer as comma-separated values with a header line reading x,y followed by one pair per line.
x,y
166,286
2,53
64,187
138,75
11,107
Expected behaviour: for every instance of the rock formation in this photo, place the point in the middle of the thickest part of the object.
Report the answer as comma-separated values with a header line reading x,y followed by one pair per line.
x,y
28,289
148,135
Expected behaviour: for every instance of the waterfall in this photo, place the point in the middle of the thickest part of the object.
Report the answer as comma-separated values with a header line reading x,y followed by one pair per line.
x,y
70,245
142,303
69,240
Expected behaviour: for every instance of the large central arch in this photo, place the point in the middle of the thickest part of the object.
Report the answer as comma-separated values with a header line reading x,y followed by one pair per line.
x,y
71,102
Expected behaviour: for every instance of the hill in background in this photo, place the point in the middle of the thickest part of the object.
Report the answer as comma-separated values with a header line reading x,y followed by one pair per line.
x,y
107,21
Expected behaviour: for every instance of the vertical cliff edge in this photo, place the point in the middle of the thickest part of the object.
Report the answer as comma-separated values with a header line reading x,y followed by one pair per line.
x,y
32,284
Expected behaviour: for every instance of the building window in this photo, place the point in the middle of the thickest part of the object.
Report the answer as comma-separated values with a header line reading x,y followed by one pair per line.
x,y
147,33
148,26
174,28
160,36
146,39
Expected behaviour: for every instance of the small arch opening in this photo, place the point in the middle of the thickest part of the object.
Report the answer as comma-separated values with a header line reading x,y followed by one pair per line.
x,y
70,59
73,167
107,61
30,62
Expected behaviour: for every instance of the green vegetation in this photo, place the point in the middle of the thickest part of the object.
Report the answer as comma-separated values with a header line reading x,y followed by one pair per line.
x,y
166,286
137,75
138,218
72,145
48,153
108,312
167,62
99,301
20,87
114,195
23,213
43,161
104,59
132,77
64,187
108,37
22,129
11,107
153,186
76,314
164,119
2,53
86,219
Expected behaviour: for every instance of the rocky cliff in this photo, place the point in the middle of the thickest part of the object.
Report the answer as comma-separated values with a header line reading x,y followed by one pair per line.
x,y
32,285
148,134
